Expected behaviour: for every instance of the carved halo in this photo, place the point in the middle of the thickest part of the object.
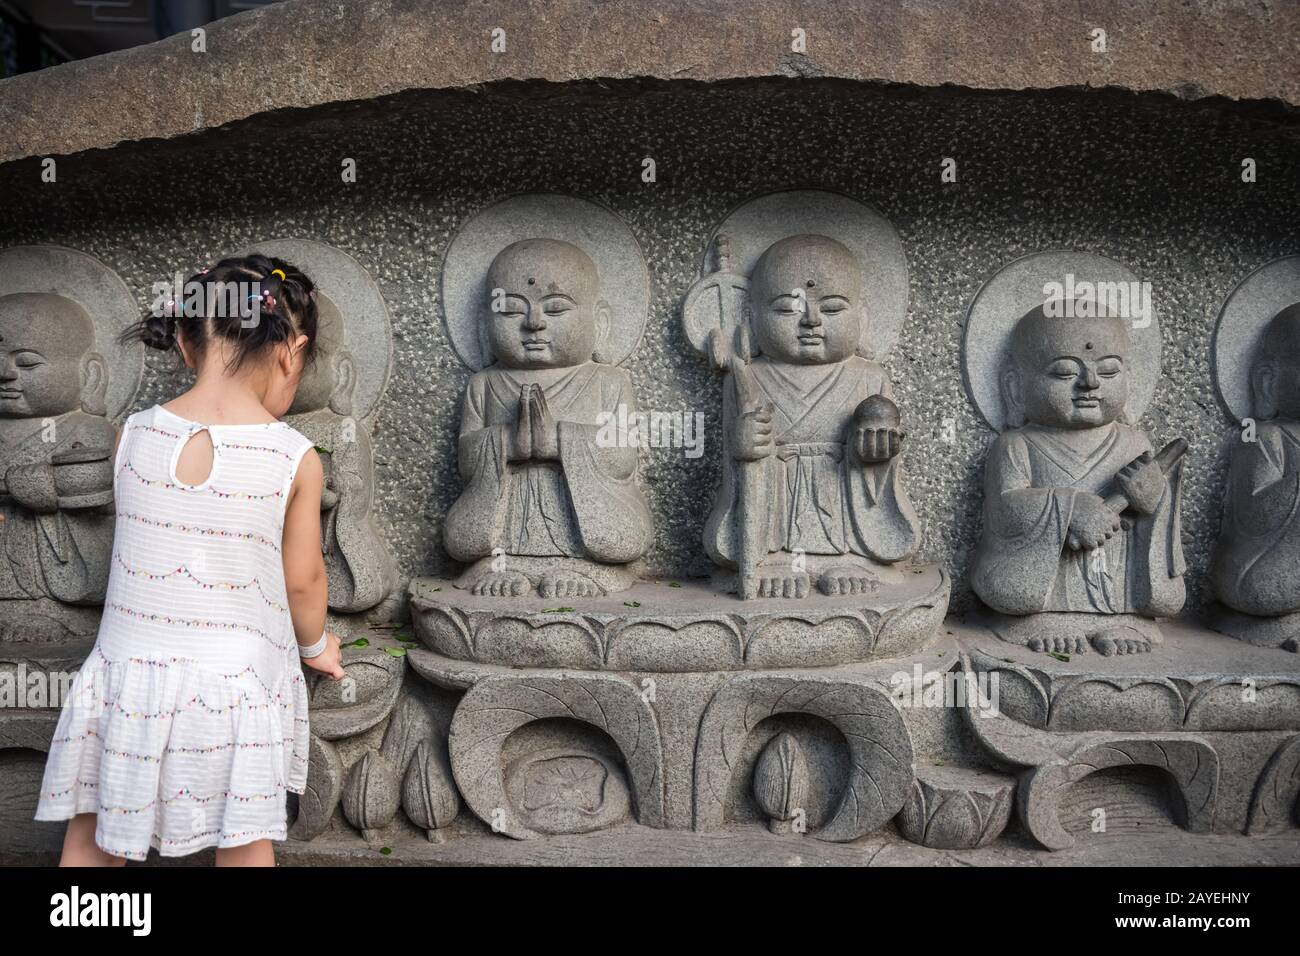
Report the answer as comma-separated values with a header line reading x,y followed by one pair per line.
x,y
367,329
97,289
754,225
1240,329
1005,298
624,278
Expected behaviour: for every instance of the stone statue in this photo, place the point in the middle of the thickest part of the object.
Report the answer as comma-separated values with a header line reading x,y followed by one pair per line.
x,y
812,487
55,460
1081,518
546,505
360,567
66,375
335,402
1256,567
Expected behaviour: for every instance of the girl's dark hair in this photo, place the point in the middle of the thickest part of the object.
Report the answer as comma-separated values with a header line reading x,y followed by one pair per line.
x,y
285,307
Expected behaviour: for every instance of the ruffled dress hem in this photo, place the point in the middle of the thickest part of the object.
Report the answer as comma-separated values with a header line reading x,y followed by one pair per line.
x,y
152,746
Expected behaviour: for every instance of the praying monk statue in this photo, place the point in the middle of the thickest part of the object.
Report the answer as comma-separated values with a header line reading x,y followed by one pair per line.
x,y
1256,569
1081,540
56,514
546,505
812,488
358,564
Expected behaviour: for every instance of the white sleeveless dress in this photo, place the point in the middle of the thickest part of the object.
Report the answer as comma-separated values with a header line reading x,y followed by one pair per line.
x,y
187,724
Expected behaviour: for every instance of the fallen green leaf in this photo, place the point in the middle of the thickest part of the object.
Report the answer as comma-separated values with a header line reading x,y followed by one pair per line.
x,y
556,610
631,603
395,651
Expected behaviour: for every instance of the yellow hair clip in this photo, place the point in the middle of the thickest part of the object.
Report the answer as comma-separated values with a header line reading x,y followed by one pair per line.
x,y
280,273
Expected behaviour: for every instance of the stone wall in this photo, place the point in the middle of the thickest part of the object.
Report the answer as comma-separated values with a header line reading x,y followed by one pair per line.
x,y
1147,179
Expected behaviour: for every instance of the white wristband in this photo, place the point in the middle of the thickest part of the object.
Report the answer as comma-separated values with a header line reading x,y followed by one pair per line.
x,y
315,650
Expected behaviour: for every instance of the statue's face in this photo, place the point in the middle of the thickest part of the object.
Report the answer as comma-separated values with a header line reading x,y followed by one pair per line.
x,y
807,299
1073,373
545,314
43,339
319,380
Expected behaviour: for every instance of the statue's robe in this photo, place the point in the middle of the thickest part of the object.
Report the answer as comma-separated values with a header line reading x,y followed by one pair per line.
x,y
585,505
358,565
813,496
63,554
1255,567
1022,564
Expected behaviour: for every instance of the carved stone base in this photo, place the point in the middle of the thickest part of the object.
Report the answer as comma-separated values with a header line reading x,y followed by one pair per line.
x,y
683,746
672,628
957,808
1193,746
1195,681
346,713
1147,839
1199,739
1213,720
1282,631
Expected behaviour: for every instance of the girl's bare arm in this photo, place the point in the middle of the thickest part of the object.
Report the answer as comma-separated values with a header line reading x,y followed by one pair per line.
x,y
304,567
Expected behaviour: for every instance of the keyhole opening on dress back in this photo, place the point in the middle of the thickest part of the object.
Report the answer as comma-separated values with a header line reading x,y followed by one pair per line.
x,y
193,466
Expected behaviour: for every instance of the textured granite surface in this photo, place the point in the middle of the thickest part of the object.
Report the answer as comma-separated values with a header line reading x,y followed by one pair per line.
x,y
1146,179
304,53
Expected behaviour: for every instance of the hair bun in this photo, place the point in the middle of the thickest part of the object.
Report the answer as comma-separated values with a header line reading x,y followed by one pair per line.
x,y
274,281
159,332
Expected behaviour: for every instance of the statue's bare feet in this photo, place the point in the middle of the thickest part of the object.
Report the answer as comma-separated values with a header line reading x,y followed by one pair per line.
x,y
1112,641
847,580
502,584
1059,645
783,584
565,584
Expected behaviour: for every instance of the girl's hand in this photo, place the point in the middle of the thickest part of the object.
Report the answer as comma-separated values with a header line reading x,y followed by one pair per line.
x,y
329,661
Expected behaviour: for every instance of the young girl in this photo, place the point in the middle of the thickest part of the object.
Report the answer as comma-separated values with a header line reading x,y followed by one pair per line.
x,y
187,724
